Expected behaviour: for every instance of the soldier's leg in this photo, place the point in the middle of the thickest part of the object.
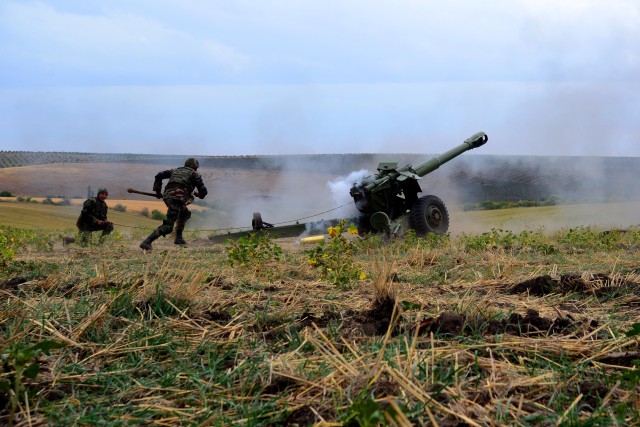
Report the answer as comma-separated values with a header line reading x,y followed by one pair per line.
x,y
183,217
84,237
166,227
107,229
84,234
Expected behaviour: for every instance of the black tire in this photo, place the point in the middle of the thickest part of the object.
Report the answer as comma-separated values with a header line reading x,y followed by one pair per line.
x,y
256,222
429,215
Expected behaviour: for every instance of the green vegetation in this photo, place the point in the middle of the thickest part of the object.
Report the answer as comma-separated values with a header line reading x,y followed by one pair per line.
x,y
64,202
505,204
62,218
18,365
495,328
254,250
335,259
156,214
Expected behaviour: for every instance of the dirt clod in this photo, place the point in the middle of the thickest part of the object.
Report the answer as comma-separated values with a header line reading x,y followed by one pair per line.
x,y
12,284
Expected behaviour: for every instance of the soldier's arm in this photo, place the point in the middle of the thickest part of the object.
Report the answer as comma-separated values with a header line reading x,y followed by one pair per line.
x,y
88,210
202,190
157,183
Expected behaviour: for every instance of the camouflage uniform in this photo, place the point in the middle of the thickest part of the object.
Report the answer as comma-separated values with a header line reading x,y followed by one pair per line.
x,y
178,193
93,217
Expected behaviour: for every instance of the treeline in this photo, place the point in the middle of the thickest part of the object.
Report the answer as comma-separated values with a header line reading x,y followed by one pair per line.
x,y
470,179
331,163
9,159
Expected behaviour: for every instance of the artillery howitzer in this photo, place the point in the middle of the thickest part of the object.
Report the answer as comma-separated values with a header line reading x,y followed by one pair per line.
x,y
388,201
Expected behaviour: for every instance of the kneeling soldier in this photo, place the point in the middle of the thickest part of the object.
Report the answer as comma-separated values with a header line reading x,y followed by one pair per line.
x,y
93,216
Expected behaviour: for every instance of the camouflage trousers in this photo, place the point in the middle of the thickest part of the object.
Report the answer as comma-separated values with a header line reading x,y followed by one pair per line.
x,y
87,229
177,214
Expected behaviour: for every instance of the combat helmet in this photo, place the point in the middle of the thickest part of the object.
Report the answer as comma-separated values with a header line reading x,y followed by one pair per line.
x,y
192,163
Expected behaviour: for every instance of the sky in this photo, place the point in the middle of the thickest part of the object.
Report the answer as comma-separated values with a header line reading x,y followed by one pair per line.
x,y
253,77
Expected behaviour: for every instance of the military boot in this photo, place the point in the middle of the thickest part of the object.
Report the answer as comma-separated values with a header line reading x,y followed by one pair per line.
x,y
179,239
146,243
84,238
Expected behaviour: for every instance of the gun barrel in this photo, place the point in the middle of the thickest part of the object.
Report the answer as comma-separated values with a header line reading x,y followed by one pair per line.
x,y
474,141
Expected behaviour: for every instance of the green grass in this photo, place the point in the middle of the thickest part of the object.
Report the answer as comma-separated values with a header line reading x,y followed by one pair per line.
x,y
181,336
62,217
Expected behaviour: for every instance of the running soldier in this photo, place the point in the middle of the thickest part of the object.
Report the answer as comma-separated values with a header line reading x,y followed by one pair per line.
x,y
178,193
93,217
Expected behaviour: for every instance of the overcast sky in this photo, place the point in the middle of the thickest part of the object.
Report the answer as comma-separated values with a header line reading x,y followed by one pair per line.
x,y
242,77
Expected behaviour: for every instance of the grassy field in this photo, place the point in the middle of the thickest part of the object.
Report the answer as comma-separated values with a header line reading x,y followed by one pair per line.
x,y
609,215
488,326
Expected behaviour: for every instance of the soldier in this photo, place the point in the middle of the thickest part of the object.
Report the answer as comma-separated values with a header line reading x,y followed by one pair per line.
x,y
94,217
177,195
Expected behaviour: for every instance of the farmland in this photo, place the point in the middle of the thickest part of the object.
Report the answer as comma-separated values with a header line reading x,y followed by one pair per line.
x,y
522,316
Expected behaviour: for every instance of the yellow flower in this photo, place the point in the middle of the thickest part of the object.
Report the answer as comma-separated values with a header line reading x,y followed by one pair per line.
x,y
230,251
353,229
363,276
333,231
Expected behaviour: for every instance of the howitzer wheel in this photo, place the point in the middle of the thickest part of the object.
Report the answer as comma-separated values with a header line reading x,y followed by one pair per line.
x,y
429,215
380,222
256,222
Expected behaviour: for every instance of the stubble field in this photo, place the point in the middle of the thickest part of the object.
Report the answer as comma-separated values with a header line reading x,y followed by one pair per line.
x,y
506,323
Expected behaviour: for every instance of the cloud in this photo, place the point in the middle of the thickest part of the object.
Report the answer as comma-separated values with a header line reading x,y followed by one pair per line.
x,y
203,42
281,77
112,47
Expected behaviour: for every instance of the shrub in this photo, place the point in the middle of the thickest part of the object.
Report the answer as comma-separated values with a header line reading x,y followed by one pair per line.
x,y
120,208
6,194
64,202
156,214
145,212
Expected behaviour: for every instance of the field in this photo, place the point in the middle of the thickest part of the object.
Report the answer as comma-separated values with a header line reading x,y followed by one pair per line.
x,y
518,317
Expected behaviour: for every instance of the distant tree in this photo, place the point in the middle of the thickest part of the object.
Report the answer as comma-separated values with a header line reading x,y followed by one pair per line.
x,y
6,194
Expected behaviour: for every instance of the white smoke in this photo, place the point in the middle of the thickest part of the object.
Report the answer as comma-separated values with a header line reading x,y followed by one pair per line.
x,y
342,202
340,187
314,228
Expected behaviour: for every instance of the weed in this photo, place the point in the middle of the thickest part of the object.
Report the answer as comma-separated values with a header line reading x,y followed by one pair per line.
x,y
586,238
255,249
430,240
19,364
7,243
335,259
